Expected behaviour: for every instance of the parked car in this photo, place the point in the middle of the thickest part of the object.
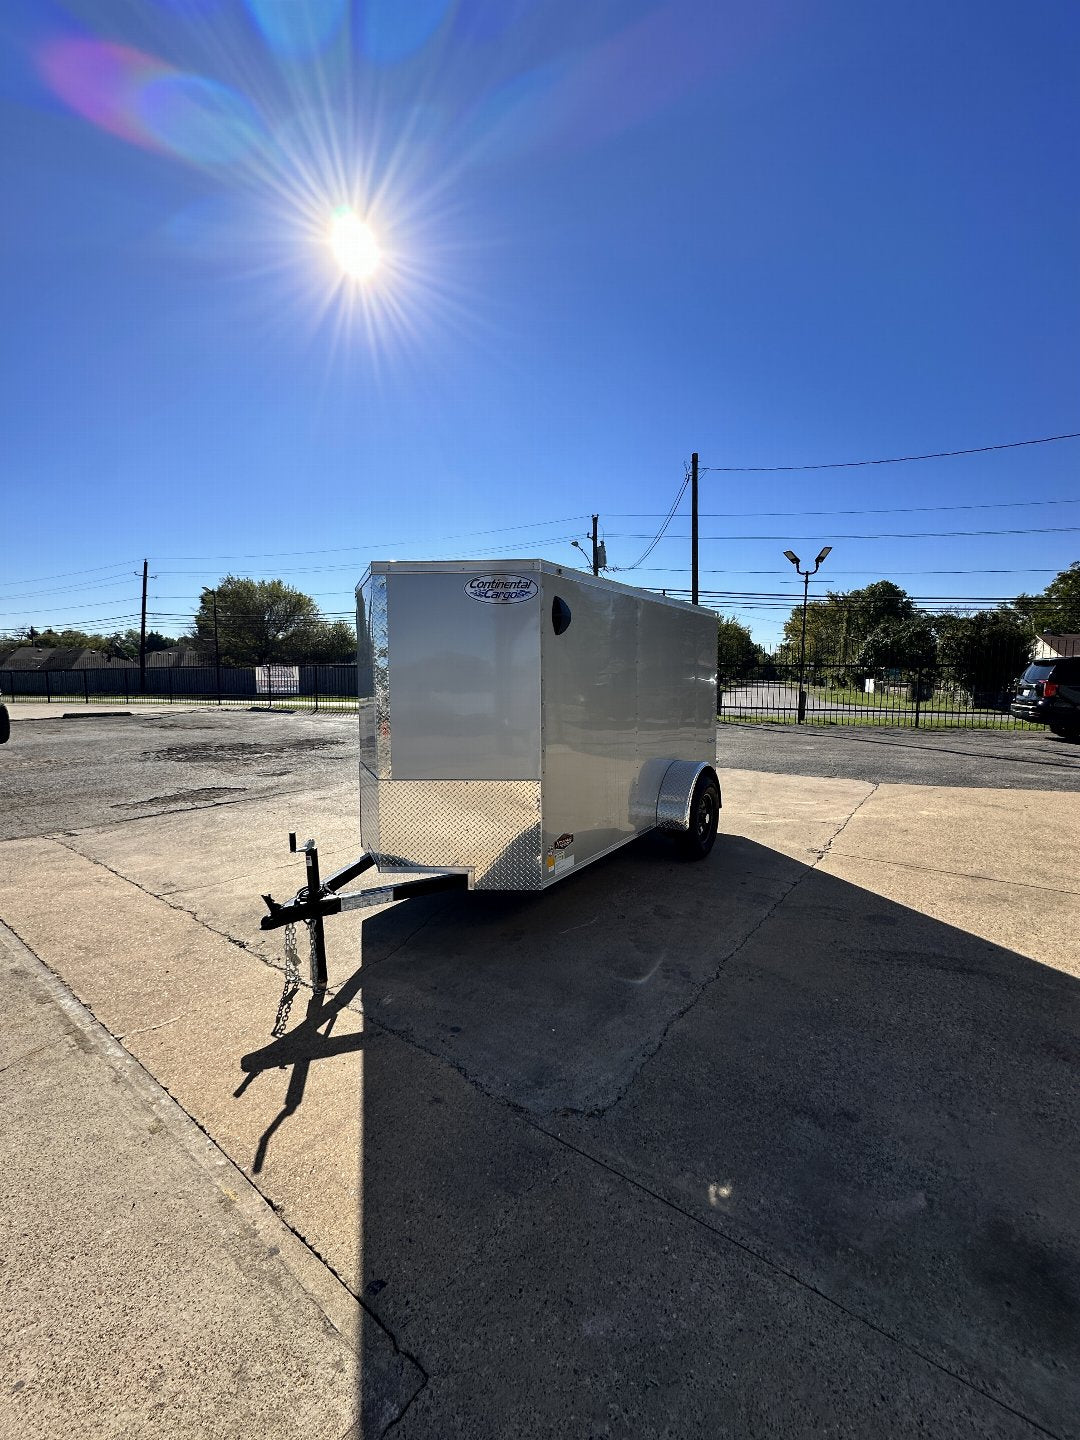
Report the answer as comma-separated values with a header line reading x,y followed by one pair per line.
x,y
1048,693
5,721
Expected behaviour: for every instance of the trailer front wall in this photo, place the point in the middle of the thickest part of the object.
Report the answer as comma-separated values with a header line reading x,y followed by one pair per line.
x,y
450,734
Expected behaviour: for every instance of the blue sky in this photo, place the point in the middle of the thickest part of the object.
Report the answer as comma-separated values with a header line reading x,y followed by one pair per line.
x,y
613,233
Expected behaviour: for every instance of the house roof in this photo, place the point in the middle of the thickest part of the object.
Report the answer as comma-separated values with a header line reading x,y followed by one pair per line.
x,y
78,657
1058,644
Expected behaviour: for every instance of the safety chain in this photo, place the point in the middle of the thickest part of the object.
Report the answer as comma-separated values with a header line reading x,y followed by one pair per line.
x,y
292,982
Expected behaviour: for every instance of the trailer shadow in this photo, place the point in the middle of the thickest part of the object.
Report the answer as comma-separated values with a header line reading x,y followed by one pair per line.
x,y
667,1113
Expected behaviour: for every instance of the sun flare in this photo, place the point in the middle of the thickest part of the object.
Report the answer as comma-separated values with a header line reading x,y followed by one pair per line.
x,y
353,244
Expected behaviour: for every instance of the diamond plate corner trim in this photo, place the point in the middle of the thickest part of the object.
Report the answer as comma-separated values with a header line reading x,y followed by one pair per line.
x,y
379,630
369,810
676,792
490,826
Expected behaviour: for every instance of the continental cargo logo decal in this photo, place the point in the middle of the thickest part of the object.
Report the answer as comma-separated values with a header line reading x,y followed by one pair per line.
x,y
501,589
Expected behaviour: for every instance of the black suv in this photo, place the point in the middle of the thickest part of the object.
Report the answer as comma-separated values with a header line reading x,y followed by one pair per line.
x,y
1048,693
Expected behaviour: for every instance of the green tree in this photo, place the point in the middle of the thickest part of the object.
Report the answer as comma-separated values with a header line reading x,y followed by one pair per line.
x,y
838,626
908,644
983,652
331,643
1057,609
736,652
128,642
825,628
68,639
261,622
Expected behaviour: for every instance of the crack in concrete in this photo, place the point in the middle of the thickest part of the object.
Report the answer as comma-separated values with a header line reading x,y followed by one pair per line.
x,y
599,1111
146,1029
953,874
164,900
798,1280
37,1050
425,1378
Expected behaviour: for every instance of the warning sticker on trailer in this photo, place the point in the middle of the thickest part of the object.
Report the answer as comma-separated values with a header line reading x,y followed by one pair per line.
x,y
561,855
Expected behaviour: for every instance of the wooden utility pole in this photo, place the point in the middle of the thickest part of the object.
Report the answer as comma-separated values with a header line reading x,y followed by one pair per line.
x,y
595,546
142,632
693,529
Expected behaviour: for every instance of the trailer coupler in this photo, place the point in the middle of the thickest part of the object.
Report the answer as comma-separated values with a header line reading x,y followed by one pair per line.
x,y
319,898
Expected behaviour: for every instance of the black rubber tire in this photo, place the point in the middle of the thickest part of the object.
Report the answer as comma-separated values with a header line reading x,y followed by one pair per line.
x,y
704,817
1066,732
5,725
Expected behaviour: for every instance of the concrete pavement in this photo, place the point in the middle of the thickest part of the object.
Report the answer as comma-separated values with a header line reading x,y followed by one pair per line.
x,y
146,1286
779,1143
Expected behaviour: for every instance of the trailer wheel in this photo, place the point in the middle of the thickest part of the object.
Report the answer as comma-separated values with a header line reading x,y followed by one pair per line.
x,y
696,843
5,724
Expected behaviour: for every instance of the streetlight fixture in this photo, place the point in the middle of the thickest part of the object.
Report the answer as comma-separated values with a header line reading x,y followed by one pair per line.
x,y
599,549
790,555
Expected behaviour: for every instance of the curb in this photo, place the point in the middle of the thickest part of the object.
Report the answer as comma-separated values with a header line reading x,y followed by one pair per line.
x,y
336,1302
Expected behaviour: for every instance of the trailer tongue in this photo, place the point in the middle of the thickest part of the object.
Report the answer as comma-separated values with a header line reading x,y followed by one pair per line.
x,y
517,722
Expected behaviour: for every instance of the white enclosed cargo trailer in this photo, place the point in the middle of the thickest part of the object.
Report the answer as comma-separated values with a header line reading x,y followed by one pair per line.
x,y
518,720
521,717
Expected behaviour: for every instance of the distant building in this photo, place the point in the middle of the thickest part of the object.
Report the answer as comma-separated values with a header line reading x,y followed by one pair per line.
x,y
1055,647
178,656
42,657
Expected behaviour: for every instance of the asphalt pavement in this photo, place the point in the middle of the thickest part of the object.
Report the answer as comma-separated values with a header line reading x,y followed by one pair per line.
x,y
102,769
991,759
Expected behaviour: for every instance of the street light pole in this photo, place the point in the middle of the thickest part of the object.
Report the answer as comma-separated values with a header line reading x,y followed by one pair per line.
x,y
790,555
217,650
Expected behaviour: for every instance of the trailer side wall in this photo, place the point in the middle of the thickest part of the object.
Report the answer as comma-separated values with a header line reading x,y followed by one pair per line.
x,y
629,686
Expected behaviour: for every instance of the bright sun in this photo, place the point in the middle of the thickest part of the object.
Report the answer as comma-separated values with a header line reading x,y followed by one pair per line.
x,y
354,246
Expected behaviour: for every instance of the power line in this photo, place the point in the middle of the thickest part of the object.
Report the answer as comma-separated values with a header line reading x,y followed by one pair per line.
x,y
733,570
376,544
660,533
881,535
891,460
65,574
802,514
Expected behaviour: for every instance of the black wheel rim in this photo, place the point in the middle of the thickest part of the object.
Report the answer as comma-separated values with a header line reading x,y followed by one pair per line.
x,y
704,818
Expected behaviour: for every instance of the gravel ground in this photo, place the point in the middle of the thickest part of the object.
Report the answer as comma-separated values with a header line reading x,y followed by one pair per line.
x,y
986,759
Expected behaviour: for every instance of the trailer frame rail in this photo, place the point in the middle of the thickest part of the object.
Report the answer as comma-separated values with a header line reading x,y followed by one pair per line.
x,y
319,898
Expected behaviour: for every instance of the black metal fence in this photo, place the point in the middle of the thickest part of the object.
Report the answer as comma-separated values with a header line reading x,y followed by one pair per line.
x,y
845,695
833,694
307,687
